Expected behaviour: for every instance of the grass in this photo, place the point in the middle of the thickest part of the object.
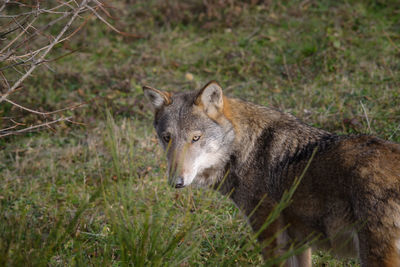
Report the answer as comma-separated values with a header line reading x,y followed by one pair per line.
x,y
97,194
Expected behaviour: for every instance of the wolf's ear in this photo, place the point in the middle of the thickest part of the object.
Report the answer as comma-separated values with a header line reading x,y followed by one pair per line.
x,y
211,98
156,97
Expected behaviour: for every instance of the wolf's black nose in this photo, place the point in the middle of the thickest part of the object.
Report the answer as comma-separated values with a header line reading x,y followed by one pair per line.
x,y
179,182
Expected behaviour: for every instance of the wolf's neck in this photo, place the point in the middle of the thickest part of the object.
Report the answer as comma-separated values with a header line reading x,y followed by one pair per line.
x,y
268,142
254,125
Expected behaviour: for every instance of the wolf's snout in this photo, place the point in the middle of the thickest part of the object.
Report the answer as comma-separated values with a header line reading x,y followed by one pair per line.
x,y
179,182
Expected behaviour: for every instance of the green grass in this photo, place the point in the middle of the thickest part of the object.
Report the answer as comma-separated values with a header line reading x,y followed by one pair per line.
x,y
97,194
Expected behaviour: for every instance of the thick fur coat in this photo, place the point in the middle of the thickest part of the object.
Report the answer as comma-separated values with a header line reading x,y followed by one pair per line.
x,y
350,192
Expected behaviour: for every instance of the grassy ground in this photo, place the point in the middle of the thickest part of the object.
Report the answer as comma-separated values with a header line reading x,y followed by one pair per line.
x,y
97,194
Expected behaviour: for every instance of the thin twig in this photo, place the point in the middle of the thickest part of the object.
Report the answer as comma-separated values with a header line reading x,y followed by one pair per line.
x,y
77,123
64,55
18,36
111,26
43,113
7,85
37,32
18,63
63,4
16,123
4,5
3,34
366,116
9,128
34,127
100,5
60,41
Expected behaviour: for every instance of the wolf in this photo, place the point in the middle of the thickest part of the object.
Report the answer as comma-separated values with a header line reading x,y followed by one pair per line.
x,y
253,153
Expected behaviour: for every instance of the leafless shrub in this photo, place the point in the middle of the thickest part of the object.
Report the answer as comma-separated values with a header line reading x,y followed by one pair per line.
x,y
30,32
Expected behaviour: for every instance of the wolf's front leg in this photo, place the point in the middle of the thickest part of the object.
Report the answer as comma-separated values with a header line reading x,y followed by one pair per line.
x,y
271,238
278,241
304,259
301,260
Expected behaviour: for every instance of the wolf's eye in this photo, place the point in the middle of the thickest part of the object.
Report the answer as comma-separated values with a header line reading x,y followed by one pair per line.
x,y
196,138
166,138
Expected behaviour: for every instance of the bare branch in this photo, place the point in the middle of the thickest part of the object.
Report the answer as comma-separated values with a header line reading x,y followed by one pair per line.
x,y
29,44
4,5
111,26
34,127
9,128
43,113
42,57
18,36
3,34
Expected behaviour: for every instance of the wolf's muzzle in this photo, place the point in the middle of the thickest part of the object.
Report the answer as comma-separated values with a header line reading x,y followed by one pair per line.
x,y
179,183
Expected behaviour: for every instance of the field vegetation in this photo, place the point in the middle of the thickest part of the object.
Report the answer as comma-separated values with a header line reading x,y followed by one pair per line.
x,y
94,192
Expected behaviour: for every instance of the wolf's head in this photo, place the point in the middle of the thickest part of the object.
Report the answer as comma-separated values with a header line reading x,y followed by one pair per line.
x,y
196,133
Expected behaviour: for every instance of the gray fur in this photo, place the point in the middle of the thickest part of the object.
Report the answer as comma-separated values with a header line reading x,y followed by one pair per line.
x,y
350,192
